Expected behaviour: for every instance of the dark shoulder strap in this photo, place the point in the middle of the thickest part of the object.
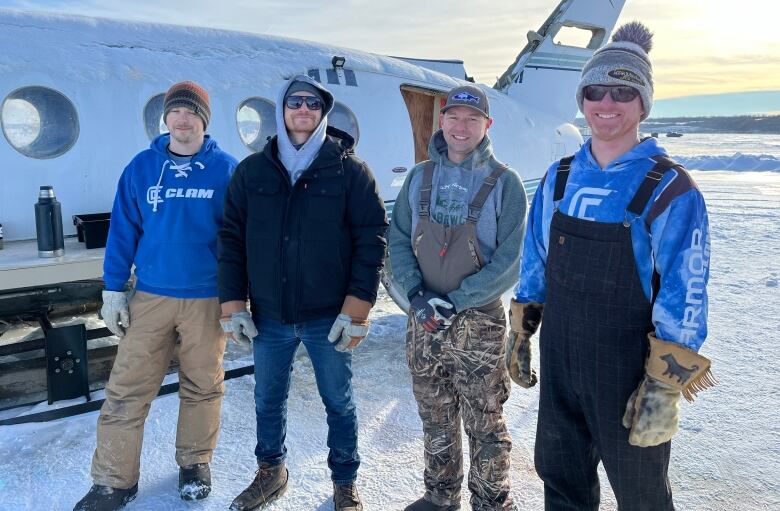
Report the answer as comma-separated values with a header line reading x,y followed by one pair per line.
x,y
561,177
475,208
651,180
424,206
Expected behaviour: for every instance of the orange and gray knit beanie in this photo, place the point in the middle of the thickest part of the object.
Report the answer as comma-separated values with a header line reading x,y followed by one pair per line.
x,y
189,95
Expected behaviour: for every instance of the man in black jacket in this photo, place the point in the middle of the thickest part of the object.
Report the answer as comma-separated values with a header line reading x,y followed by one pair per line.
x,y
303,238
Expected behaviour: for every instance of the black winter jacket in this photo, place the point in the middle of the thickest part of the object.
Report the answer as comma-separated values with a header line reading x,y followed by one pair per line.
x,y
297,251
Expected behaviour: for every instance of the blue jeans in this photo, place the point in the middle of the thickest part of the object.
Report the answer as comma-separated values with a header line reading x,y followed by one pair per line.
x,y
274,352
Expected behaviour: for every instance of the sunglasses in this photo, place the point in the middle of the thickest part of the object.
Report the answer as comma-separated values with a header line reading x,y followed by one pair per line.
x,y
619,94
295,102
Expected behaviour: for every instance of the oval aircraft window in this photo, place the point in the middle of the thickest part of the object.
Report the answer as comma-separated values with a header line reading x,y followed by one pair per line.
x,y
342,118
39,122
153,117
256,121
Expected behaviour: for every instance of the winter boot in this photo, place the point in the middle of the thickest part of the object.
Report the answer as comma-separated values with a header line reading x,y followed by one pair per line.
x,y
270,483
346,498
105,498
427,505
195,481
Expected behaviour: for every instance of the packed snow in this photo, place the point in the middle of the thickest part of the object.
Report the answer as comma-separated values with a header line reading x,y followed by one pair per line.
x,y
725,456
725,151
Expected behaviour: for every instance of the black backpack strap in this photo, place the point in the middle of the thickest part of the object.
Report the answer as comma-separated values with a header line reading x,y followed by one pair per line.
x,y
561,177
641,198
475,208
651,180
424,206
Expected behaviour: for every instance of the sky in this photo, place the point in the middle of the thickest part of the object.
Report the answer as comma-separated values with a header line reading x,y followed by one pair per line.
x,y
701,47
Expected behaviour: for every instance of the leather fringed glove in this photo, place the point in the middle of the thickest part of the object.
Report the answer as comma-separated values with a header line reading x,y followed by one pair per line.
x,y
524,320
431,310
351,326
115,312
653,410
239,327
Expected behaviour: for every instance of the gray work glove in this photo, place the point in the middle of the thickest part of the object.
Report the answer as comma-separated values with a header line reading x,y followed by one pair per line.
x,y
653,410
347,333
524,319
115,312
239,327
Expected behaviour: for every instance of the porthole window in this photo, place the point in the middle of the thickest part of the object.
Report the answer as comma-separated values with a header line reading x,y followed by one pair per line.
x,y
342,118
39,122
256,120
153,117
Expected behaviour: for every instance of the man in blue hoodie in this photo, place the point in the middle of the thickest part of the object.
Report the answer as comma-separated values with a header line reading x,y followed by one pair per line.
x,y
303,240
615,266
167,211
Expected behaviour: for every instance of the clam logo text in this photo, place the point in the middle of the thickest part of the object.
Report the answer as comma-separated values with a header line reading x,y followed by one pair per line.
x,y
154,194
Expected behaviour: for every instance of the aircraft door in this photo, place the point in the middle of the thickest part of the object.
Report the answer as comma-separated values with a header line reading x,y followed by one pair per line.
x,y
423,106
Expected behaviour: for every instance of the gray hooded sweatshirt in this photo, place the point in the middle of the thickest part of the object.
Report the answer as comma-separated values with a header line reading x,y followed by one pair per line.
x,y
500,228
298,160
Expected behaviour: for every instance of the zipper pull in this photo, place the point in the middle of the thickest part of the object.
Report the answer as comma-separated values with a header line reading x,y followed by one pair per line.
x,y
443,249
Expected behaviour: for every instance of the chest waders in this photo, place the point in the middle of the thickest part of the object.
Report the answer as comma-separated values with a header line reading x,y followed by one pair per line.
x,y
459,374
447,254
593,345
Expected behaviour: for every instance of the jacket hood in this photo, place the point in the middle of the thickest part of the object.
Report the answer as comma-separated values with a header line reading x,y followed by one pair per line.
x,y
326,95
295,158
342,138
437,151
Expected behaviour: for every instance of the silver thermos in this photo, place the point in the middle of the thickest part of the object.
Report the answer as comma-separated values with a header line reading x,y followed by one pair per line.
x,y
48,224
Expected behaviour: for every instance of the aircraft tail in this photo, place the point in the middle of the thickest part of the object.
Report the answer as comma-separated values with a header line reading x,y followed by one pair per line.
x,y
548,69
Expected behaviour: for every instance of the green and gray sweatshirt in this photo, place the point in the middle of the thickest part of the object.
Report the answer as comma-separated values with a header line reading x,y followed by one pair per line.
x,y
500,228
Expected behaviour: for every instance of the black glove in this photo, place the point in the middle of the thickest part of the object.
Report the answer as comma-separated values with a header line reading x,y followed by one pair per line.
x,y
431,310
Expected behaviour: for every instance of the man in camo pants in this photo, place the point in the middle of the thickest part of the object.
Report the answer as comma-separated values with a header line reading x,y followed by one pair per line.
x,y
455,242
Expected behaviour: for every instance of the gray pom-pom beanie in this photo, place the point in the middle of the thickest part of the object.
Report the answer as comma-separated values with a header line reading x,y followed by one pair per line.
x,y
624,61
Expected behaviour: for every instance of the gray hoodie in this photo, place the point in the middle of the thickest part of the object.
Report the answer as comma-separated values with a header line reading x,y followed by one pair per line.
x,y
298,160
500,228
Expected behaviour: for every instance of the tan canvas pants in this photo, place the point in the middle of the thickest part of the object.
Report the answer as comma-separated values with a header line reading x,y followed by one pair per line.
x,y
144,354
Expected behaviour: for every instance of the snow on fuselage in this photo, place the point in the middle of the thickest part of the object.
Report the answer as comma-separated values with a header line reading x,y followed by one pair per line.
x,y
110,76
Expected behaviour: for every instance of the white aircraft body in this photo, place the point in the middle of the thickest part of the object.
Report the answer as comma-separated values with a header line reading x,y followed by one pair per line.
x,y
81,96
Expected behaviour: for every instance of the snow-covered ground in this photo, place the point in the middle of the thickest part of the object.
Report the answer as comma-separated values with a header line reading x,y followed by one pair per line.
x,y
725,457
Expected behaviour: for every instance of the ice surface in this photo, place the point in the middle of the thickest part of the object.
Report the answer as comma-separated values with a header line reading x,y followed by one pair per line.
x,y
725,456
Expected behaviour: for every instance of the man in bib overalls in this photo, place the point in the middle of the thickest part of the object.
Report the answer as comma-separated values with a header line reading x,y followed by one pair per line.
x,y
455,241
617,260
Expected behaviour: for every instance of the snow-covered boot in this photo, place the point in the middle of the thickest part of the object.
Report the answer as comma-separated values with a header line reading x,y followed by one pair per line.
x,y
195,481
270,483
427,505
346,498
106,498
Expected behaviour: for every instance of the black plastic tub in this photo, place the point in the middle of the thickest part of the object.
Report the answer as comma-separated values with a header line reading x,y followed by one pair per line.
x,y
92,228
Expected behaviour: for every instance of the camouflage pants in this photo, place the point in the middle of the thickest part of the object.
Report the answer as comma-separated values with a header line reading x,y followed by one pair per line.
x,y
460,372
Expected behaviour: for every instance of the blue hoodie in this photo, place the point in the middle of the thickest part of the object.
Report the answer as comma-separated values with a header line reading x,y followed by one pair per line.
x,y
677,241
165,221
